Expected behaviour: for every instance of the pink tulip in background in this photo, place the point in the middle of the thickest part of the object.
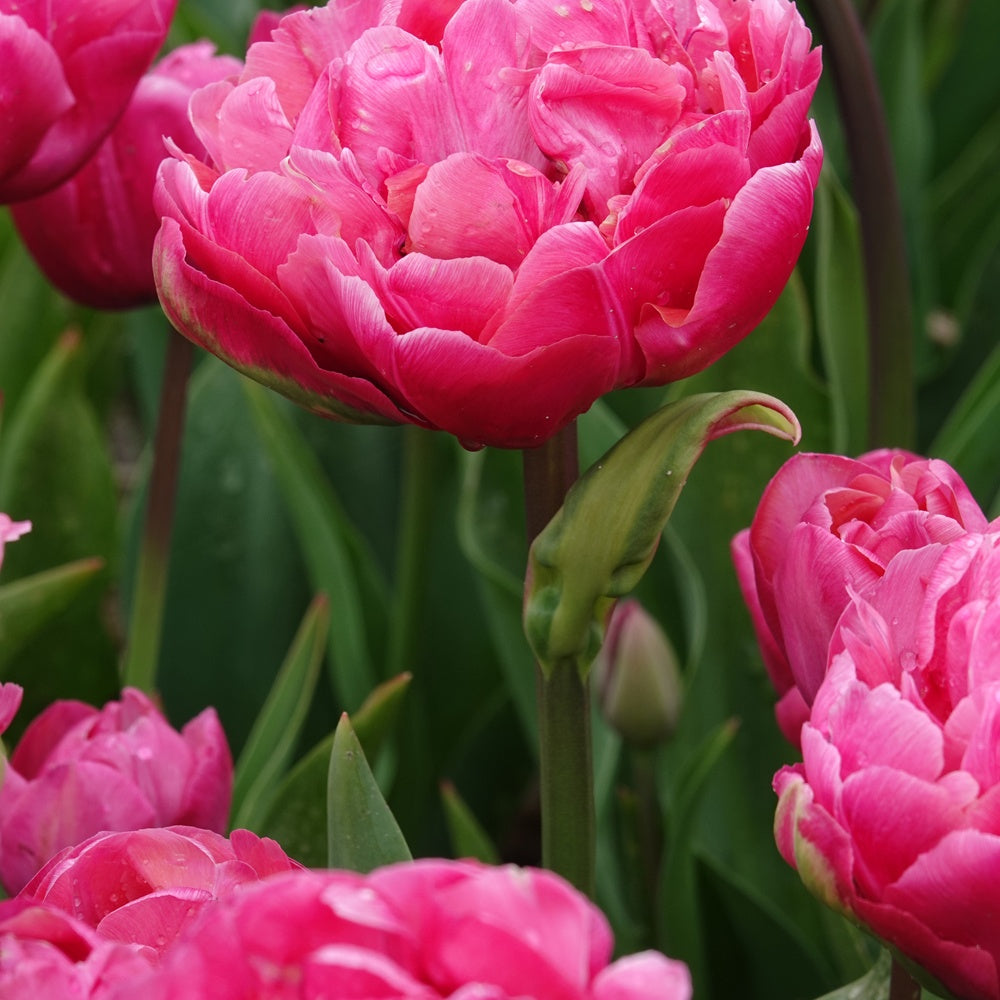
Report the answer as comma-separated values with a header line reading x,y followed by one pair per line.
x,y
826,524
78,770
69,69
47,955
486,225
893,815
93,236
423,929
144,886
11,531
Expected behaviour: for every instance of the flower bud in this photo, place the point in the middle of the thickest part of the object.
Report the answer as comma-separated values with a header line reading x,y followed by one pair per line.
x,y
639,685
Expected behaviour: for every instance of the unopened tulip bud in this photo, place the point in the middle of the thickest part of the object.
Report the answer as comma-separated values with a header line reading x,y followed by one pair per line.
x,y
637,677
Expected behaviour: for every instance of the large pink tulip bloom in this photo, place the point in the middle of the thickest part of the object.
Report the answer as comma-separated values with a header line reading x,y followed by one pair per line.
x,y
69,69
483,222
93,235
78,770
47,955
144,886
11,531
425,929
827,525
893,815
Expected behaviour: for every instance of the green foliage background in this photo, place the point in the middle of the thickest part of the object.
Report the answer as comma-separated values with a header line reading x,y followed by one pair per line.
x,y
276,505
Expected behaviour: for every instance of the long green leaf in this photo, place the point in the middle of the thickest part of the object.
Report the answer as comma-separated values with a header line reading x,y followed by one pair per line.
x,y
362,833
29,603
328,543
468,838
272,739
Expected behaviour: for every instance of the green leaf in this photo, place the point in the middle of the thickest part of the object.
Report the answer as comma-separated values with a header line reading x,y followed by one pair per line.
x,y
30,603
374,722
296,818
329,544
362,833
56,471
269,747
874,985
600,543
968,438
841,314
468,838
677,892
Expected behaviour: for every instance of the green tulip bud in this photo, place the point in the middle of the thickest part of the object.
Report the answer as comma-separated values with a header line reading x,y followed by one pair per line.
x,y
638,681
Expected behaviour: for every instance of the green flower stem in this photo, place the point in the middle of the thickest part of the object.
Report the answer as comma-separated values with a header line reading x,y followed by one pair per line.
x,y
891,402
149,596
416,508
566,770
649,833
902,986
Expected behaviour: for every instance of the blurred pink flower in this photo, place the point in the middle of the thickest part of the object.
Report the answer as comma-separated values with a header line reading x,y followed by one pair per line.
x,y
894,814
78,770
424,929
825,524
480,217
144,886
11,531
93,235
68,71
47,955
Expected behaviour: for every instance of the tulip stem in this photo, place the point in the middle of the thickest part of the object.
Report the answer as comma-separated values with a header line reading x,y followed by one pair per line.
x,y
891,402
149,596
902,986
566,771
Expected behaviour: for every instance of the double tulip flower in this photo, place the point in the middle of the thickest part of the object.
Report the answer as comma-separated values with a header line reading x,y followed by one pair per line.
x,y
483,222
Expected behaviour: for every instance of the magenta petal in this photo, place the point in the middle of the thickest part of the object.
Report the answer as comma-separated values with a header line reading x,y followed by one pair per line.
x,y
154,920
10,702
888,841
27,112
209,783
486,397
481,41
394,94
643,976
463,294
951,887
58,810
254,340
241,126
763,233
817,569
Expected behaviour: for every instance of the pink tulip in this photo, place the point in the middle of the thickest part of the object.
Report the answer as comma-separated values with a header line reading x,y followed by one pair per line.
x,y
827,525
79,770
480,217
47,955
11,531
144,886
892,817
69,69
93,235
424,929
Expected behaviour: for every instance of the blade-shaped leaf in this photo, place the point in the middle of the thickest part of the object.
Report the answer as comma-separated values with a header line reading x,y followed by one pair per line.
x,y
269,747
329,545
29,603
468,838
362,834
